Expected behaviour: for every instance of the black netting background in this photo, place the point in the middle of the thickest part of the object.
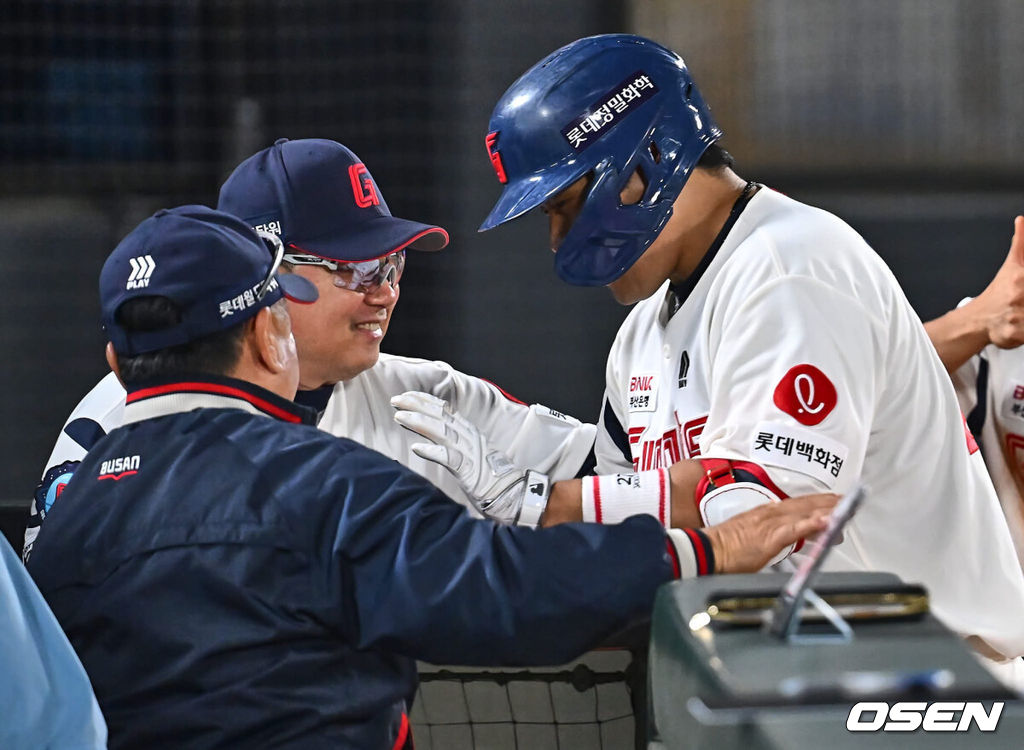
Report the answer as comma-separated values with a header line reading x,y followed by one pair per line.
x,y
903,116
164,96
588,704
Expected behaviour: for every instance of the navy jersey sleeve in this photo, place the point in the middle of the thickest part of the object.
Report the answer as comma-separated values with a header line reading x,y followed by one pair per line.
x,y
412,573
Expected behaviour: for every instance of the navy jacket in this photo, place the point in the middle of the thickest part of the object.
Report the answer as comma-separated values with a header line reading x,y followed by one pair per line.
x,y
232,576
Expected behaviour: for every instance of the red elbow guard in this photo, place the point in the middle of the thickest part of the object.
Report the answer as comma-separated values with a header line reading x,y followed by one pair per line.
x,y
719,472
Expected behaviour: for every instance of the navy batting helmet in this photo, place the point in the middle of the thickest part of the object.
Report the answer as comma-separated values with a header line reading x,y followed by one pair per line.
x,y
604,105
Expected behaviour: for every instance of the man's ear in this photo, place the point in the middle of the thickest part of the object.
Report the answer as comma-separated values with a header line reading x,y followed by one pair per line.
x,y
112,362
272,335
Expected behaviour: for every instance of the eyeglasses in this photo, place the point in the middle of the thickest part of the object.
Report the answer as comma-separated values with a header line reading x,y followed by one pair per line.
x,y
278,248
358,276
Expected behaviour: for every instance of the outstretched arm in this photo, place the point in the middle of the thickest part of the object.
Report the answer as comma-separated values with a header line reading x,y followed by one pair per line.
x,y
996,316
504,492
566,502
740,541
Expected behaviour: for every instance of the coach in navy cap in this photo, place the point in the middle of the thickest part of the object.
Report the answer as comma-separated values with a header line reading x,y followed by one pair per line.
x,y
321,200
210,267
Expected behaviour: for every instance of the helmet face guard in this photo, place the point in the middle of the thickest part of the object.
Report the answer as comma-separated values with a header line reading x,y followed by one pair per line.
x,y
605,106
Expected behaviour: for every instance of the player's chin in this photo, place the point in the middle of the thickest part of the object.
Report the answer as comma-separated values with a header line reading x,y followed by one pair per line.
x,y
624,292
370,350
357,362
636,284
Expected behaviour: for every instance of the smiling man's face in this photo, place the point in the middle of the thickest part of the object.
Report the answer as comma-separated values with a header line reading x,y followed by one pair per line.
x,y
339,335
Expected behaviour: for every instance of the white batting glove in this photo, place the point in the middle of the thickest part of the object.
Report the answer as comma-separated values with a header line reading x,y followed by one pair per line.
x,y
498,488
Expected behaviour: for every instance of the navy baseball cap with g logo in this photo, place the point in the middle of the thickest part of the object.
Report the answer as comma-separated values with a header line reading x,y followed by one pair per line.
x,y
214,266
320,199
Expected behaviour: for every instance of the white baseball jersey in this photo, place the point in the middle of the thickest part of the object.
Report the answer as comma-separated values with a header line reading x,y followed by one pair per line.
x,y
98,413
990,387
532,436
797,350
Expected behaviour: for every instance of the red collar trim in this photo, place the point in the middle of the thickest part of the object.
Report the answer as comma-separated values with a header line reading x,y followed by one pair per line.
x,y
216,388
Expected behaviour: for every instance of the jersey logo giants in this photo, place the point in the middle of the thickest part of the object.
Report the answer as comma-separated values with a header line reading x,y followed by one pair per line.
x,y
806,394
362,186
117,468
682,441
492,152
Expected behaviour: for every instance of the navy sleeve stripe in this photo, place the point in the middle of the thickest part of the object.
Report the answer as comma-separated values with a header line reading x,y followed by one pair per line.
x,y
86,432
615,432
589,465
703,551
976,419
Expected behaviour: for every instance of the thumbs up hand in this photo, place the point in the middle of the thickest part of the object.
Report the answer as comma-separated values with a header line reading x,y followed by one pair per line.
x,y
1003,298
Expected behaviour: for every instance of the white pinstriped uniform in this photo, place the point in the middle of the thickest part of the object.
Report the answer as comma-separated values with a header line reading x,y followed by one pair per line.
x,y
997,376
793,304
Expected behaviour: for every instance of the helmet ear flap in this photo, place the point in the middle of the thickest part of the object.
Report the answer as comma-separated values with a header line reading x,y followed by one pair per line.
x,y
647,167
635,190
651,178
642,166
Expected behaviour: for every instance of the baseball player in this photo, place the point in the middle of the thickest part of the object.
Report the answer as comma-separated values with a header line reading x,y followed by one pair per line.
x,y
320,199
771,352
232,576
980,344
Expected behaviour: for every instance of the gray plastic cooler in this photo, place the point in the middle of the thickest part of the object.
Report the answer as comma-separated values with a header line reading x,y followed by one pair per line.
x,y
728,686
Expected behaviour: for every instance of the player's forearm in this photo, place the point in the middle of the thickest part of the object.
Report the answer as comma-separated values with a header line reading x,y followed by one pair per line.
x,y
685,476
959,334
743,543
566,501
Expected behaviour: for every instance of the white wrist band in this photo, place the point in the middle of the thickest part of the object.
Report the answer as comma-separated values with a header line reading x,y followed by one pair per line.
x,y
613,498
535,499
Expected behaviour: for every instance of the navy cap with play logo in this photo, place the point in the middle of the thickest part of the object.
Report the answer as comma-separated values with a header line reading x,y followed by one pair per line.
x,y
214,266
320,199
